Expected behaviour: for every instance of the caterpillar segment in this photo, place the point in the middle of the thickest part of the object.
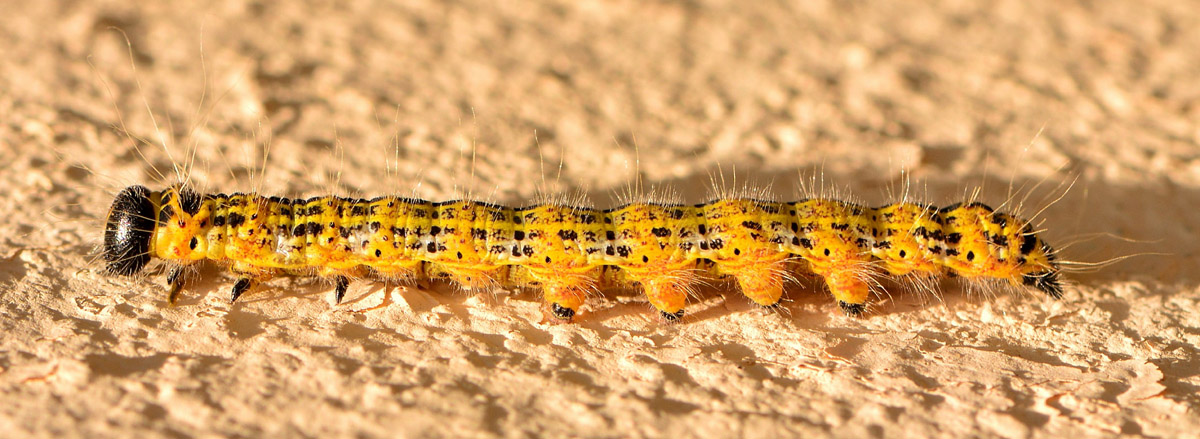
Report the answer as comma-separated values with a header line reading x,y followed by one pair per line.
x,y
572,252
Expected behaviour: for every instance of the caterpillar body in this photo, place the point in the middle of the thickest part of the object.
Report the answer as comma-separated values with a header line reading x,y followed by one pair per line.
x,y
570,252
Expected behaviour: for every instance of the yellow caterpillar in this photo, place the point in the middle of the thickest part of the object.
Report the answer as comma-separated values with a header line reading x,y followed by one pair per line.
x,y
570,252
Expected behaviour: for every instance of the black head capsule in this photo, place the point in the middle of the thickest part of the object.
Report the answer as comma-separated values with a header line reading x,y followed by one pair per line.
x,y
128,231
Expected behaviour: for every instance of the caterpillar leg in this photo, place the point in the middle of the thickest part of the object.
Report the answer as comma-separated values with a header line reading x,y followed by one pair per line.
x,y
176,279
564,301
764,287
341,280
849,290
341,284
762,283
668,296
248,276
239,288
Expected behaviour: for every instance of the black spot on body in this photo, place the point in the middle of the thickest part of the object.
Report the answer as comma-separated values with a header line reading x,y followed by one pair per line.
x,y
999,219
1028,243
236,220
999,240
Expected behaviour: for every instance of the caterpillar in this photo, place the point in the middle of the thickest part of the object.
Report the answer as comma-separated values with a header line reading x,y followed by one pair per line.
x,y
570,252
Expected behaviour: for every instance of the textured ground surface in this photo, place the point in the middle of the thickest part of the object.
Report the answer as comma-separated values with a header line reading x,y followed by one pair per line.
x,y
399,97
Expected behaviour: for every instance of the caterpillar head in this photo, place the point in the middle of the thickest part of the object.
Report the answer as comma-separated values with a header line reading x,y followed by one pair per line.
x,y
128,230
984,243
135,221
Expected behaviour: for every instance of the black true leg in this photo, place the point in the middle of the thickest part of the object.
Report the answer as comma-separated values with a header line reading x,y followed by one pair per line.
x,y
240,287
175,280
339,292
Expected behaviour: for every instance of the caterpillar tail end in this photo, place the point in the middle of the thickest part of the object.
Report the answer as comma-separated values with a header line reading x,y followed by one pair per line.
x,y
1046,281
